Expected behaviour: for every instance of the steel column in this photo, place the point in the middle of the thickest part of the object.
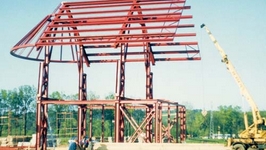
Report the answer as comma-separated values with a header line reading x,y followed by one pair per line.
x,y
157,127
82,109
102,135
149,94
177,124
160,121
119,121
168,123
92,32
90,121
182,114
42,109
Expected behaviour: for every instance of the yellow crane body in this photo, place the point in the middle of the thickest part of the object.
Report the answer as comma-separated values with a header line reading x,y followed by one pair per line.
x,y
254,135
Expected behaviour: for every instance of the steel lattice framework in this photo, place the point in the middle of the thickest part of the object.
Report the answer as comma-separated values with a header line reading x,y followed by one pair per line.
x,y
111,31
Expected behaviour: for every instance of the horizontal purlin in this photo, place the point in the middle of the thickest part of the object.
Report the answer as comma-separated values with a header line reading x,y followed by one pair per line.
x,y
114,3
118,29
143,60
138,44
118,21
104,27
122,10
142,53
130,36
47,43
117,17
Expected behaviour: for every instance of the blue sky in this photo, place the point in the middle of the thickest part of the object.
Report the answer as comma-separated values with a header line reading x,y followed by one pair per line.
x,y
239,27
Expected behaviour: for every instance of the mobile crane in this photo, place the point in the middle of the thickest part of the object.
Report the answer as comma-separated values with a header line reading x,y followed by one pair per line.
x,y
254,135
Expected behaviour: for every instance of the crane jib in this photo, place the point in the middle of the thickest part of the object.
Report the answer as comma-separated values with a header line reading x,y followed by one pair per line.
x,y
251,132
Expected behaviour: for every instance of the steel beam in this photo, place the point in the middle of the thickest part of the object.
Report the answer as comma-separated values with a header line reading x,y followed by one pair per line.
x,y
105,31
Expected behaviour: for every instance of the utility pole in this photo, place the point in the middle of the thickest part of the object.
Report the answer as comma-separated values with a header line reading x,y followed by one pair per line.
x,y
211,124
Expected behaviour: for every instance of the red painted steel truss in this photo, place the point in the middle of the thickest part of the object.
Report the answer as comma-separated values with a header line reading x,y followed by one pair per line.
x,y
112,31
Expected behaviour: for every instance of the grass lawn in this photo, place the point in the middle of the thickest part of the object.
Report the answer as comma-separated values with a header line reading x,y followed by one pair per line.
x,y
200,140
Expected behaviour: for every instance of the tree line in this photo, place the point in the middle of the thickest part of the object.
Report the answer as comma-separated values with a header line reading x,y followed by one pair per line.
x,y
18,116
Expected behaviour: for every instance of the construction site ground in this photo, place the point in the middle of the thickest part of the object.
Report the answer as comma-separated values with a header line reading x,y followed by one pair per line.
x,y
63,145
142,146
156,146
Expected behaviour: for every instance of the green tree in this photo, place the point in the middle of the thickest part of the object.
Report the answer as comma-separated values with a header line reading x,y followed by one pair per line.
x,y
109,116
21,101
3,101
195,121
229,119
63,118
3,107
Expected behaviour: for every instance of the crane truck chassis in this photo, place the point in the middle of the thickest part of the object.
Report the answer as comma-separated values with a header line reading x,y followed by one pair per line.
x,y
253,137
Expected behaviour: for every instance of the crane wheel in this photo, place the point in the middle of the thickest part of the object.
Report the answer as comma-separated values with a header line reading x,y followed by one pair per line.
x,y
239,147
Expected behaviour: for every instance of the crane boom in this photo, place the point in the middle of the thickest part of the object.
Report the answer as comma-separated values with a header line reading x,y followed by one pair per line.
x,y
243,90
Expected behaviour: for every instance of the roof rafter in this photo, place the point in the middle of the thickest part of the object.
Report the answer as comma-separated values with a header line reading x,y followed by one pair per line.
x,y
102,26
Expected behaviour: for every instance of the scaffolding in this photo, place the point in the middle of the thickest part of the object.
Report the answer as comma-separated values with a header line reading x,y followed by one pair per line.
x,y
64,124
4,123
117,31
8,123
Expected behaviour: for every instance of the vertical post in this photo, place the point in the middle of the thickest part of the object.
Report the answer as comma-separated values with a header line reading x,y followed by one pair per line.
x,y
177,124
117,122
42,109
117,97
38,122
111,128
90,122
119,119
181,124
102,136
184,122
82,95
156,134
168,122
149,94
182,111
160,122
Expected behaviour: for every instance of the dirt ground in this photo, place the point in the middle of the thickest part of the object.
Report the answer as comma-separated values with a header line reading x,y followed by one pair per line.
x,y
144,146
154,146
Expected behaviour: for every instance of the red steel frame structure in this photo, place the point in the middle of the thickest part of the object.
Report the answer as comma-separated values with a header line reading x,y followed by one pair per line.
x,y
111,31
